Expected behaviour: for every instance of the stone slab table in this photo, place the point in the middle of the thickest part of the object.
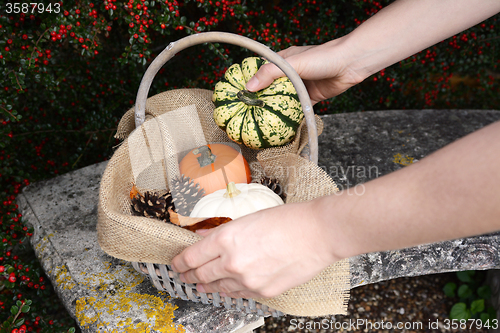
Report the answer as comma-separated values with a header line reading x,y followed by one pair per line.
x,y
357,147
105,294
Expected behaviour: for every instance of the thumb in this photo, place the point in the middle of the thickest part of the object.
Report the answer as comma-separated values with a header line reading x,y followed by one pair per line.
x,y
264,77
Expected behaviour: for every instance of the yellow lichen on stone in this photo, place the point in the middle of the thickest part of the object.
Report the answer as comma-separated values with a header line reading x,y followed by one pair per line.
x,y
42,245
403,160
114,303
158,314
83,306
162,313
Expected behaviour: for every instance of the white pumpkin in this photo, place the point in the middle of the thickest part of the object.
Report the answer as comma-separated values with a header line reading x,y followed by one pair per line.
x,y
236,200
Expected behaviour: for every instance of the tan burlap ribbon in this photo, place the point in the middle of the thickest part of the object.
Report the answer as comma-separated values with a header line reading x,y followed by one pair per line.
x,y
148,158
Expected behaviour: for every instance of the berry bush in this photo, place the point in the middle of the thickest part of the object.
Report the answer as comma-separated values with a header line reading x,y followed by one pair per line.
x,y
72,68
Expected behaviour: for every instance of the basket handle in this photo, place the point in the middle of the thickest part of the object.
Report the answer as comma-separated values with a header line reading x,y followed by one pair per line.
x,y
224,37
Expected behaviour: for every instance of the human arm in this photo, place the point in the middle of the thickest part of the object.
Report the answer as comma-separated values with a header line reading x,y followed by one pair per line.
x,y
266,253
396,32
449,194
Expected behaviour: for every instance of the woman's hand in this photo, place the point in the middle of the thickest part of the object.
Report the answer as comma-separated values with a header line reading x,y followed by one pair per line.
x,y
259,255
323,68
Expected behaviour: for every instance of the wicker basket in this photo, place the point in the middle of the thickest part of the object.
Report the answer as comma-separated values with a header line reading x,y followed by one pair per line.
x,y
161,275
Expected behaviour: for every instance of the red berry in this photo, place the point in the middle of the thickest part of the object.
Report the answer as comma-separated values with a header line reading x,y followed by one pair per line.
x,y
12,279
2,269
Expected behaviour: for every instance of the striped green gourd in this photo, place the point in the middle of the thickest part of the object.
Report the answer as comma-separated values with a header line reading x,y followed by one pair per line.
x,y
266,118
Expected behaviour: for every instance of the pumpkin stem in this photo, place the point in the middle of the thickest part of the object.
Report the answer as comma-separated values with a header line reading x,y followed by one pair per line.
x,y
249,98
231,190
206,157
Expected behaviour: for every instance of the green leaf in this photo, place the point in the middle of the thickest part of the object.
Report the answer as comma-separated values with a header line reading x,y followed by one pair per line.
x,y
477,306
71,330
459,311
492,312
464,291
19,322
25,309
484,292
484,317
465,276
449,289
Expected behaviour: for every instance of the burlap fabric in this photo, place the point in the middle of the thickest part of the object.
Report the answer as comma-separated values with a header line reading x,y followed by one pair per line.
x,y
146,160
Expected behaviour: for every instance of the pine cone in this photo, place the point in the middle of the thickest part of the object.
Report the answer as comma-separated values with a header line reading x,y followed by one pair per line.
x,y
274,185
186,194
152,204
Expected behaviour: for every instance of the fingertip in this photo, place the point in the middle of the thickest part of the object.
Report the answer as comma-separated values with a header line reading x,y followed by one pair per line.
x,y
200,288
172,265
